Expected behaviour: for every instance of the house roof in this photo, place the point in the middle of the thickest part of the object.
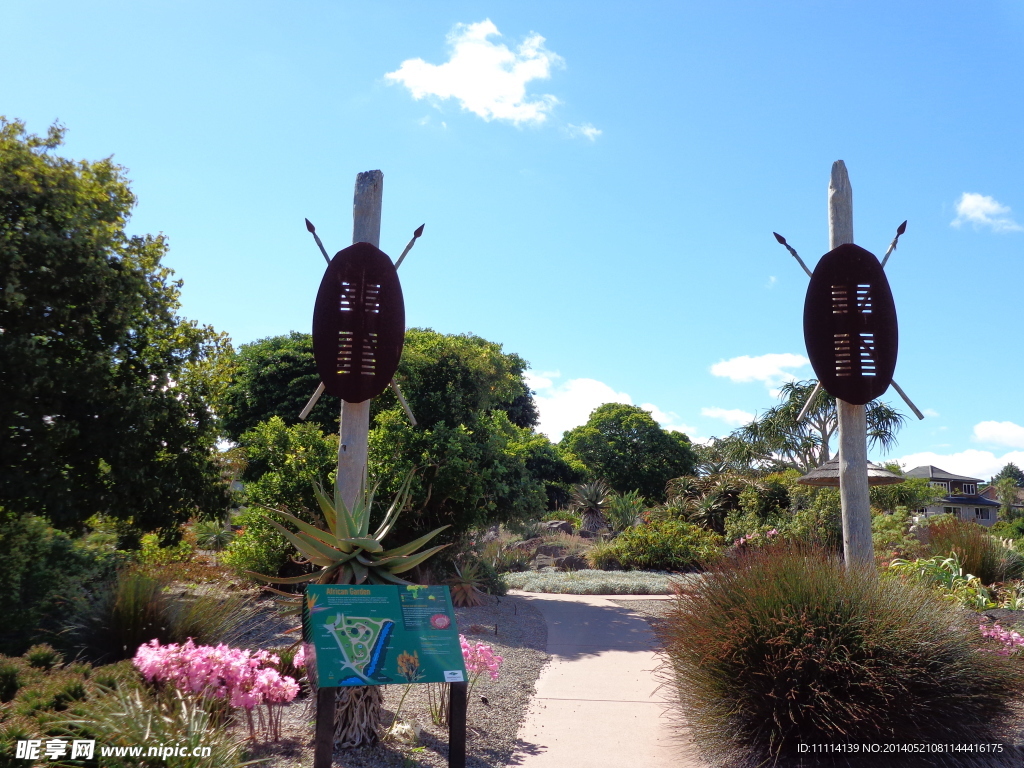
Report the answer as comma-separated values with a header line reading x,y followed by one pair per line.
x,y
934,473
966,501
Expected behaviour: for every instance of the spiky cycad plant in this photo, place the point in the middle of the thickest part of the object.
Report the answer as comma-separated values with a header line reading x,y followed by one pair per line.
x,y
346,553
590,499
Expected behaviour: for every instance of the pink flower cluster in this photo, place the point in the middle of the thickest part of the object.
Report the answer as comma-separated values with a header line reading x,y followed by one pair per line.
x,y
479,658
1010,640
238,676
769,535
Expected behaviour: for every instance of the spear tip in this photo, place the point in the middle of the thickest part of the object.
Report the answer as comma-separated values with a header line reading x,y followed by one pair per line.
x,y
901,228
310,227
419,230
780,238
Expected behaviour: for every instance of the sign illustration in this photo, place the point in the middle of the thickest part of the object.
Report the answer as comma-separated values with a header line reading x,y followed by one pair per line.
x,y
381,634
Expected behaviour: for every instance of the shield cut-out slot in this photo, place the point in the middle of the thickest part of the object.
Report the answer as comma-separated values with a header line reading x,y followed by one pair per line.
x,y
867,354
844,362
864,299
840,300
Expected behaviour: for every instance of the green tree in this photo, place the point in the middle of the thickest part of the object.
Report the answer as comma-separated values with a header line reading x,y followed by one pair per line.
x,y
776,440
444,378
624,446
1007,493
1012,471
275,376
107,396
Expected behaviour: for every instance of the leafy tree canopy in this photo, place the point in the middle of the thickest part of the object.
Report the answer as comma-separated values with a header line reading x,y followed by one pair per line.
x,y
275,377
107,396
624,446
1012,471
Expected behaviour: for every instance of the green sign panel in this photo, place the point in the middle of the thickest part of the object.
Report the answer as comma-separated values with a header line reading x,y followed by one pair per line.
x,y
378,635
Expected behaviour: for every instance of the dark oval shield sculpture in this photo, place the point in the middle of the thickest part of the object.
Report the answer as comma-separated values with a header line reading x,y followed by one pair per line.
x,y
850,325
358,323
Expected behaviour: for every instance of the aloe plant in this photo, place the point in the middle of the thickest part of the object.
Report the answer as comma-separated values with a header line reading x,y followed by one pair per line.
x,y
344,548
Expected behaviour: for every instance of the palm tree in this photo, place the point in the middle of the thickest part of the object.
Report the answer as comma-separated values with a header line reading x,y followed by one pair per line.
x,y
591,499
775,439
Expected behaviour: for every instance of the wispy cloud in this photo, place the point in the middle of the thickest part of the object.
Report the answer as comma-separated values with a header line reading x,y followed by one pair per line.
x,y
769,369
732,416
585,131
999,433
984,211
486,77
568,404
972,462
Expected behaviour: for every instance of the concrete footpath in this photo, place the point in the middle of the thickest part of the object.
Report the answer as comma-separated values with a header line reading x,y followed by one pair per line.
x,y
597,702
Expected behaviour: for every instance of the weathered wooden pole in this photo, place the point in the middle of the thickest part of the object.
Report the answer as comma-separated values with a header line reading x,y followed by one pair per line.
x,y
355,417
853,443
352,446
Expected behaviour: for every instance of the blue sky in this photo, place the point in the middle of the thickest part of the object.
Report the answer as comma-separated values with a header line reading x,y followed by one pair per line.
x,y
600,182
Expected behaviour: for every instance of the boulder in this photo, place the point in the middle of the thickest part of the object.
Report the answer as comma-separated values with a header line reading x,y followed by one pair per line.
x,y
540,562
572,563
586,534
491,534
529,545
553,526
552,550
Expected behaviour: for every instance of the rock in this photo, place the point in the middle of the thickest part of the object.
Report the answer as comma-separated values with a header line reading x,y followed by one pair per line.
x,y
529,545
586,534
552,550
540,562
558,525
572,563
491,534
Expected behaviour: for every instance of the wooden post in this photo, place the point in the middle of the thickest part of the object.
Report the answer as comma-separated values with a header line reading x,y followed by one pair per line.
x,y
355,417
853,444
458,703
354,435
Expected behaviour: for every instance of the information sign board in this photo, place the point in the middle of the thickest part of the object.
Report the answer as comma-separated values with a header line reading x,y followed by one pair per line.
x,y
370,634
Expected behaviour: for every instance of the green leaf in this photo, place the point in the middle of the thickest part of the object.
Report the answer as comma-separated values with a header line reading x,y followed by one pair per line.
x,y
328,509
396,507
412,546
307,551
311,530
382,576
370,545
413,560
360,571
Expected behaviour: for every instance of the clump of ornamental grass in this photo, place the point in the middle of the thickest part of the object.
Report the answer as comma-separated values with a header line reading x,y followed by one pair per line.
x,y
980,553
784,646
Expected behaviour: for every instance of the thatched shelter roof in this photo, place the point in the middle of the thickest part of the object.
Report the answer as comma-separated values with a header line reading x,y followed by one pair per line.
x,y
828,475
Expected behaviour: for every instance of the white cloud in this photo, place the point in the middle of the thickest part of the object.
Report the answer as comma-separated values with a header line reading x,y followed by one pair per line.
x,y
930,412
772,280
766,368
487,78
972,462
733,417
983,211
569,404
586,131
999,433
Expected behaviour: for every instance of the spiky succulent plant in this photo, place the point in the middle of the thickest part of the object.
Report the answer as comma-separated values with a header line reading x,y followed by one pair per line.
x,y
344,549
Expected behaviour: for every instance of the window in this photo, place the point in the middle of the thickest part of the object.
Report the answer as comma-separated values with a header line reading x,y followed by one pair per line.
x,y
952,511
982,513
970,489
939,484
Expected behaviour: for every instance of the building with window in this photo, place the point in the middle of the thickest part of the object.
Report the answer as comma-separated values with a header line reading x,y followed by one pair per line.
x,y
960,496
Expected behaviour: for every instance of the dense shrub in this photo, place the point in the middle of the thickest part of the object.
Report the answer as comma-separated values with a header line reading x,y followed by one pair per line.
x,y
669,545
259,546
786,646
44,573
979,553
